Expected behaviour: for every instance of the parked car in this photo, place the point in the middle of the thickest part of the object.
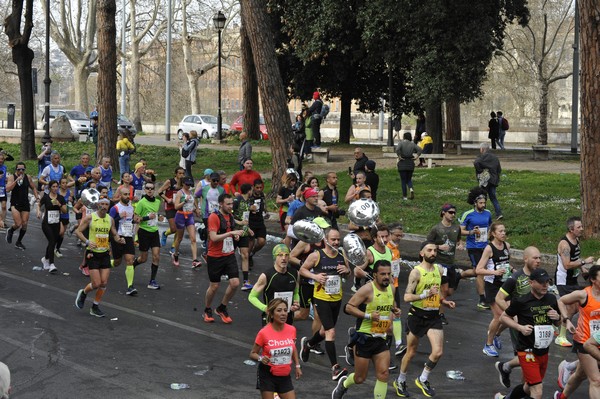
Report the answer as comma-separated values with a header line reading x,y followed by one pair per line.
x,y
205,125
238,126
124,123
80,123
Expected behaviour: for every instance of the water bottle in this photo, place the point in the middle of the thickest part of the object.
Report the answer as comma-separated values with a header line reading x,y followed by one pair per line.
x,y
177,386
455,375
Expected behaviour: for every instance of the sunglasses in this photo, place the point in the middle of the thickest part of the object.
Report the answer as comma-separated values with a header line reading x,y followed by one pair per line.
x,y
20,169
452,212
149,188
215,180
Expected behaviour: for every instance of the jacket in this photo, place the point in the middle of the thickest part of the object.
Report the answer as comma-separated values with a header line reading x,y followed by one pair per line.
x,y
489,161
405,151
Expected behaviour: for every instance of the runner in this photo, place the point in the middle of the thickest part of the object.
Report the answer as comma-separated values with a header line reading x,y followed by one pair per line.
x,y
396,235
375,309
166,192
208,197
241,214
123,217
186,205
256,220
3,197
425,290
101,226
67,194
274,349
54,204
19,185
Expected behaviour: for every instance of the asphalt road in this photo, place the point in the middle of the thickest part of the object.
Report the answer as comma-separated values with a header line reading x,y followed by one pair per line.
x,y
148,342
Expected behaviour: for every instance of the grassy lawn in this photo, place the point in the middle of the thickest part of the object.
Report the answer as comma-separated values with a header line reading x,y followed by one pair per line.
x,y
535,205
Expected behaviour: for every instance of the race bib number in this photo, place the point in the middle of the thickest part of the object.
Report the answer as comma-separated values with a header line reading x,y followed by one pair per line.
x,y
102,241
53,217
153,222
594,326
543,336
126,228
227,245
596,336
333,285
483,235
287,296
88,211
380,328
432,302
213,207
396,268
281,356
246,215
507,271
138,193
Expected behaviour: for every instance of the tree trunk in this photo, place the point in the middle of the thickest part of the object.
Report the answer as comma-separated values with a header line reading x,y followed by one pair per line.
x,y
191,74
590,118
134,75
434,125
543,108
107,76
81,74
345,118
249,88
453,124
277,117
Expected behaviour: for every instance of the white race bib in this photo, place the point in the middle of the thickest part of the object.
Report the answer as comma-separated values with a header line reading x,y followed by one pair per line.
x,y
227,245
88,211
138,193
333,285
281,356
213,207
543,336
126,228
396,268
53,217
483,235
153,222
2,191
287,296
246,215
594,326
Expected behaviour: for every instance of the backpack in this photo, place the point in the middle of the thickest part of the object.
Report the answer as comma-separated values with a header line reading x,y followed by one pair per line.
x,y
186,153
324,111
505,125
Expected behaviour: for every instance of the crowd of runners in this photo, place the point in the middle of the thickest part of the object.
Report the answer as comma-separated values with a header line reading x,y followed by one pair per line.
x,y
225,220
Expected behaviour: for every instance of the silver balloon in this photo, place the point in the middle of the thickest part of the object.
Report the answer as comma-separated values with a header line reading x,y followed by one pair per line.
x,y
90,198
308,231
355,250
363,212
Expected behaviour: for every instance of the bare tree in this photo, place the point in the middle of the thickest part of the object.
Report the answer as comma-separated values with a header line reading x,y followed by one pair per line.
x,y
107,76
270,84
74,32
22,56
541,49
589,12
251,113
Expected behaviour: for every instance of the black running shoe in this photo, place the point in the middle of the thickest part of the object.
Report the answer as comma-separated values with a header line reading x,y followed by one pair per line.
x,y
349,351
9,235
401,389
400,350
317,350
95,311
80,299
443,318
425,388
504,376
340,390
19,245
304,349
337,372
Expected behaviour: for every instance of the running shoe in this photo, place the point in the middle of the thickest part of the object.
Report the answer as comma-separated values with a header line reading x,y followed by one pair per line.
x,y
80,299
9,235
208,316
349,355
351,331
45,263
504,376
52,269
392,366
131,291
498,395
84,270
196,264
563,374
497,342
443,318
425,387
490,351
401,389
400,350
19,245
172,250
562,341
175,259
412,194
57,253
337,372
304,349
153,285
163,239
499,217
95,311
317,350
247,286
340,390
224,315
483,306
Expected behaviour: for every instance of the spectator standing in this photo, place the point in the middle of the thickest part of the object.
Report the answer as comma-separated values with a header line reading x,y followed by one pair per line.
x,y
189,150
315,109
406,163
372,178
125,148
421,127
245,151
494,129
361,161
489,162
502,127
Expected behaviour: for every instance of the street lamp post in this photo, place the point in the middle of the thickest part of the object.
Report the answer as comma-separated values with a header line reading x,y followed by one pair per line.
x,y
219,21
47,81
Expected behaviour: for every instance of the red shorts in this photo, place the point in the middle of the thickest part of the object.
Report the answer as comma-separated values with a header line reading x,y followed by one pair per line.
x,y
533,367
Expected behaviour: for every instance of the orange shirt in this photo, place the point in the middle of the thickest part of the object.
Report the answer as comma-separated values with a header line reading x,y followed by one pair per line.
x,y
589,318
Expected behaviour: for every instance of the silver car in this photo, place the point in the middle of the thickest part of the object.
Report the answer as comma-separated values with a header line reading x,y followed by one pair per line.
x,y
205,125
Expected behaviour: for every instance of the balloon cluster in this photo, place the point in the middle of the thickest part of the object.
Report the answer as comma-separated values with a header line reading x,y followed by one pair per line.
x,y
90,198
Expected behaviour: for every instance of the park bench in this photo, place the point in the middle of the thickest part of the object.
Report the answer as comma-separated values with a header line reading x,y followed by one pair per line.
x,y
456,144
540,152
431,157
320,155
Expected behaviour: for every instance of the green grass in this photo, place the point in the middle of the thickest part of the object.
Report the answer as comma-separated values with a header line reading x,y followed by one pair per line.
x,y
535,205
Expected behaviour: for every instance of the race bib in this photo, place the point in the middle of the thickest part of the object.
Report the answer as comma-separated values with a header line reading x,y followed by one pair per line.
x,y
483,235
213,207
153,222
227,245
287,296
380,328
281,356
138,193
432,302
88,211
333,285
396,268
594,326
543,336
2,191
126,228
102,242
507,271
53,217
246,215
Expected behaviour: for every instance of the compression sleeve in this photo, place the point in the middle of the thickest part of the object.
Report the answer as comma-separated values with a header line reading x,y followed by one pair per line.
x,y
254,300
